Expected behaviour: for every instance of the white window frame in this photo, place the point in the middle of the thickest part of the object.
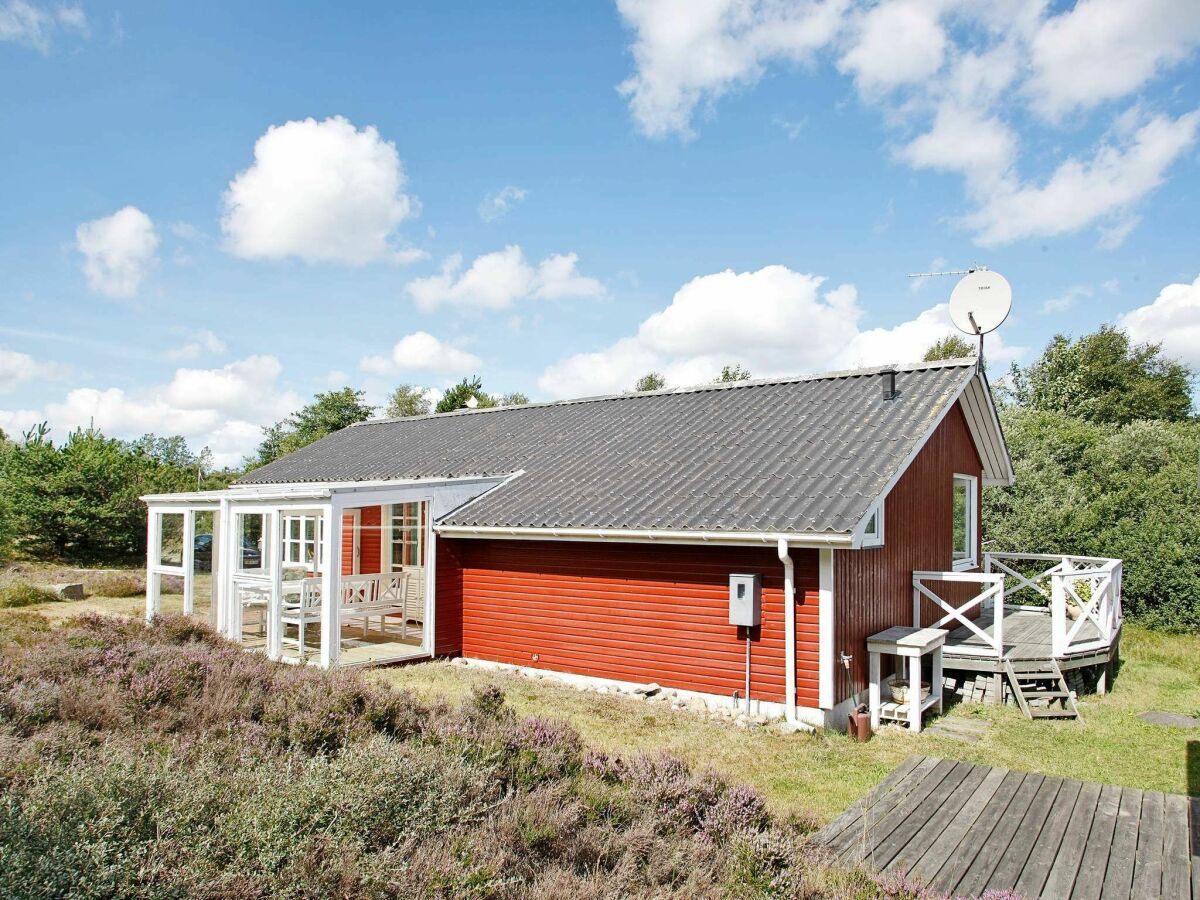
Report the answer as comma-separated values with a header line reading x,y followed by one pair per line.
x,y
873,536
293,548
391,513
971,559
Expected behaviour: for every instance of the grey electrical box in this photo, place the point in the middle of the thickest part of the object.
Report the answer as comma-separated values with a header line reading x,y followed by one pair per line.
x,y
745,600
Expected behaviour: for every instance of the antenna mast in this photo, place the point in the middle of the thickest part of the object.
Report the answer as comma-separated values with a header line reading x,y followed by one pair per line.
x,y
979,303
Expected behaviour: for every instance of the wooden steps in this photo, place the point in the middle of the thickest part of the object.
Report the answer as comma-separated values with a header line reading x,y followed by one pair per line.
x,y
1037,686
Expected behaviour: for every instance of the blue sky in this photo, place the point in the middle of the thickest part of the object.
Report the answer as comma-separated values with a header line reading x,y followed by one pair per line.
x,y
213,211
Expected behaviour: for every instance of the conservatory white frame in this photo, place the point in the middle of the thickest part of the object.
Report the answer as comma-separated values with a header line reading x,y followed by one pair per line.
x,y
328,502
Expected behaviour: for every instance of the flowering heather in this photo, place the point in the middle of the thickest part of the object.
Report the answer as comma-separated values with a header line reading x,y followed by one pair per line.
x,y
162,761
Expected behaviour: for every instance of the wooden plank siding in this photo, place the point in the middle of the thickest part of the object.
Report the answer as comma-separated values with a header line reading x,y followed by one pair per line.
x,y
448,597
370,554
873,587
631,612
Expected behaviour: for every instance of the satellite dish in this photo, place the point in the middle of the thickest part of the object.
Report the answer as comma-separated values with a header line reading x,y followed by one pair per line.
x,y
980,302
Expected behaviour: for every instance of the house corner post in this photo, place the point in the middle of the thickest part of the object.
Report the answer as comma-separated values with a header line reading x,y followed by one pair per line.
x,y
331,585
275,599
153,581
826,629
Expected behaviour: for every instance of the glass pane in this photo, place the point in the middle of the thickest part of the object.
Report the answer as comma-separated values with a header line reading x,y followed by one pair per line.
x,y
203,583
310,528
170,549
251,533
294,529
961,551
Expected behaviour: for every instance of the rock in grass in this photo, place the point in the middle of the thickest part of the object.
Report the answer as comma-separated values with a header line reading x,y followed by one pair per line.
x,y
1173,720
68,591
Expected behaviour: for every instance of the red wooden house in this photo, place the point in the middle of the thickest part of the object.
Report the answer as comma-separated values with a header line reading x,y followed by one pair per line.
x,y
597,538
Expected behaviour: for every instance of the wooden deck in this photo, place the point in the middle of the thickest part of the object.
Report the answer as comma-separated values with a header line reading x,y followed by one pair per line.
x,y
963,829
1026,637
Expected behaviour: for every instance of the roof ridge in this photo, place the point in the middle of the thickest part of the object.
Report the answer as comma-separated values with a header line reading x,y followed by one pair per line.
x,y
958,362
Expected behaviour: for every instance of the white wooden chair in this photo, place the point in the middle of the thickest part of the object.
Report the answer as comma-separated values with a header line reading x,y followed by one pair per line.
x,y
253,599
301,607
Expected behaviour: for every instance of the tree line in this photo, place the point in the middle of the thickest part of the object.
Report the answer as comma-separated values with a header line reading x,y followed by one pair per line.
x,y
1103,435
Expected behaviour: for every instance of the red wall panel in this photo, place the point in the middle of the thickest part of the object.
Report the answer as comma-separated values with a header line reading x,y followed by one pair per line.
x,y
873,587
448,606
633,612
370,538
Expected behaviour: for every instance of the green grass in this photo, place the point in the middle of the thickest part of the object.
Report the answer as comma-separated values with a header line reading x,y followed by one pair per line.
x,y
821,775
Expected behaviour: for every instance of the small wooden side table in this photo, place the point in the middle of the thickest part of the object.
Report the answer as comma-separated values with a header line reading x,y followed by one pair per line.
x,y
910,644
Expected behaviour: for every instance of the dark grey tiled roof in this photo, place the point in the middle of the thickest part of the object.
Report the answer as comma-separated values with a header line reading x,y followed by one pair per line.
x,y
805,455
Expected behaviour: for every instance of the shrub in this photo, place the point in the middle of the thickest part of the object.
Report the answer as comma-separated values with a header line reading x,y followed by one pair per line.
x,y
1124,491
159,760
114,584
20,593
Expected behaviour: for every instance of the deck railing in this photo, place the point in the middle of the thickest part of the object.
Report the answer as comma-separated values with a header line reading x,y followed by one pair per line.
x,y
1079,590
992,594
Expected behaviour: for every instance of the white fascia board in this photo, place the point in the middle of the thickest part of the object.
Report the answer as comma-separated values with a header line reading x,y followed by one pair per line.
x,y
307,490
366,485
625,535
994,434
977,383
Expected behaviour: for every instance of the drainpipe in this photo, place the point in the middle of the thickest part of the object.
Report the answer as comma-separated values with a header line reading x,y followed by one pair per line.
x,y
789,630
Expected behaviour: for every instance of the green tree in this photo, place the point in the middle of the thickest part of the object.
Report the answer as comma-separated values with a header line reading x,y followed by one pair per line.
x,y
407,400
1102,377
461,395
950,347
329,412
514,398
651,381
733,373
80,501
1096,489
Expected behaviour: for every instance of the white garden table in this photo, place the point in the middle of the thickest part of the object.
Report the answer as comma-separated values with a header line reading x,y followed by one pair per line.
x,y
909,644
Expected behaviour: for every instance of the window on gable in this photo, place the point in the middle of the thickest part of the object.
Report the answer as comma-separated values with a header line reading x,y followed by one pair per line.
x,y
872,535
966,518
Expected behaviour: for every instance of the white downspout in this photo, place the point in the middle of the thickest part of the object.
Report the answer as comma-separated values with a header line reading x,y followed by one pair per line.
x,y
789,630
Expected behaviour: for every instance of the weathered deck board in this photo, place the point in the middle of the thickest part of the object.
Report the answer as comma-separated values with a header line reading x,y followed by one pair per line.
x,y
965,828
1147,866
1017,854
1027,635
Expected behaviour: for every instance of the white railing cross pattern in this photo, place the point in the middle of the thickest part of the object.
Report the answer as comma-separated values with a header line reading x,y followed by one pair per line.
x,y
994,593
1102,608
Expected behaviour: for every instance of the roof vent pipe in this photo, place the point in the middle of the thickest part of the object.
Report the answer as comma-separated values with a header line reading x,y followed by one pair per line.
x,y
889,384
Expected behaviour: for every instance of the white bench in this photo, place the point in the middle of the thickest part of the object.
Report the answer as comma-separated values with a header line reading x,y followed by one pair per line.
x,y
388,594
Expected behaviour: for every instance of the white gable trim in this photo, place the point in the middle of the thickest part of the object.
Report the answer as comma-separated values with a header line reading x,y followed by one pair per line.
x,y
983,423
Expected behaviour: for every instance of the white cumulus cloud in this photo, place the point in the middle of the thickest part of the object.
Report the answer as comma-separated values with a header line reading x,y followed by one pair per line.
x,y
16,368
497,280
1173,320
118,251
497,204
320,191
223,408
896,42
1081,191
1105,49
691,52
34,26
957,82
773,321
421,351
198,344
